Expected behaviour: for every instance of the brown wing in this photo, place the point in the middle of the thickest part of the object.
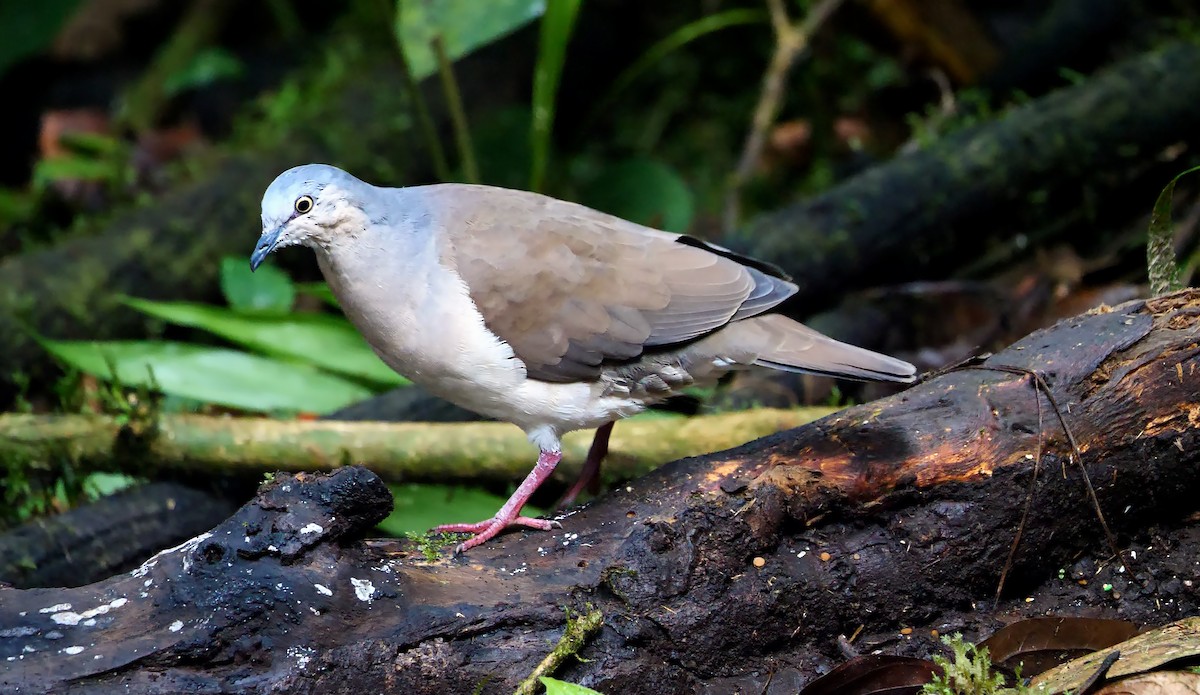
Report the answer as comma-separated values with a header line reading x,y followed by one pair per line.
x,y
570,288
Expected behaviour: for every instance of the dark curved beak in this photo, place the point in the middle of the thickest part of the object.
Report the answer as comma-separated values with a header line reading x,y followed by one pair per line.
x,y
264,247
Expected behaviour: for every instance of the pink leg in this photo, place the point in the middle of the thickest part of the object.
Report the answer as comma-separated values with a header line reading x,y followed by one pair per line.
x,y
589,477
509,514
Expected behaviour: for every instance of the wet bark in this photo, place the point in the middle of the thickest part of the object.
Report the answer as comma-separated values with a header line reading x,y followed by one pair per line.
x,y
716,569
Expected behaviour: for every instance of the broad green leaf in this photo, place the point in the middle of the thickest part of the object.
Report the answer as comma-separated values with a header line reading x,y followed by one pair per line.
x,y
556,29
210,65
329,342
268,290
645,191
1160,245
211,375
419,507
73,167
319,290
464,25
30,26
557,687
101,484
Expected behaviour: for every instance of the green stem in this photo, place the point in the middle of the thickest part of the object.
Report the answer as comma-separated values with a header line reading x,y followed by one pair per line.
x,y
556,27
575,635
458,116
441,167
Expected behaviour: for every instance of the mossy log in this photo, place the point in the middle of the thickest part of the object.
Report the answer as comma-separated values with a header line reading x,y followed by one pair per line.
x,y
471,452
734,572
922,214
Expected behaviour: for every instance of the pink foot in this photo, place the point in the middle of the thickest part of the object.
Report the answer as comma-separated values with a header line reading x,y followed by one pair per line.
x,y
486,530
589,476
510,513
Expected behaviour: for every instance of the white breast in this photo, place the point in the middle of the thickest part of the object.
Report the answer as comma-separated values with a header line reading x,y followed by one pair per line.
x,y
426,327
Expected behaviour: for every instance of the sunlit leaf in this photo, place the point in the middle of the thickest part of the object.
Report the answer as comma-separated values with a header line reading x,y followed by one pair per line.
x,y
211,375
209,65
101,484
268,290
557,27
420,507
557,687
1160,246
329,342
73,168
644,191
464,25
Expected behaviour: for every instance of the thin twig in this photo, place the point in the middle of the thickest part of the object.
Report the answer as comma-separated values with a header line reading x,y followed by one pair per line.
x,y
1076,454
1037,464
424,120
458,116
791,40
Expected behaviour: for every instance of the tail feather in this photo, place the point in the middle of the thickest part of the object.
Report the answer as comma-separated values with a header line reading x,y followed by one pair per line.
x,y
790,346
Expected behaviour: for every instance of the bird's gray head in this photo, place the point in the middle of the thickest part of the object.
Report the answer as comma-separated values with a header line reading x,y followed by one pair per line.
x,y
316,205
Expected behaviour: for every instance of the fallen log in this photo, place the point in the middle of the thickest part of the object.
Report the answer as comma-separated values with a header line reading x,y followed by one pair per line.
x,y
889,513
924,214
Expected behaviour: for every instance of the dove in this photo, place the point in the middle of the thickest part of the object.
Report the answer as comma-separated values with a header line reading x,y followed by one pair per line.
x,y
541,312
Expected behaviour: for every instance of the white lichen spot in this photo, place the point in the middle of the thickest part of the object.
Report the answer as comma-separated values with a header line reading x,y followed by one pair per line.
x,y
73,650
186,546
176,626
90,622
302,655
56,608
324,589
67,617
148,582
272,548
363,589
312,528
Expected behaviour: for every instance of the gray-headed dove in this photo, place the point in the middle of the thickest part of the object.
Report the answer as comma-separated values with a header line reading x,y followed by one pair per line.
x,y
543,313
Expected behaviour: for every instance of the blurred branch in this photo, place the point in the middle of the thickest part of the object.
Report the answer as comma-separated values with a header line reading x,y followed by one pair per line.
x,y
410,452
198,27
458,116
791,40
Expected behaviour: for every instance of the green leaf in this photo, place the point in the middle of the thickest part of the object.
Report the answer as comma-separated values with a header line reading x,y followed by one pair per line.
x,y
645,191
80,168
101,484
464,25
674,41
319,290
419,507
557,26
557,687
329,342
209,65
30,26
268,291
1160,244
211,375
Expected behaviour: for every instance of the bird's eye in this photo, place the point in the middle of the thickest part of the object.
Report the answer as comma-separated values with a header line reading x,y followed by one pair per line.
x,y
304,204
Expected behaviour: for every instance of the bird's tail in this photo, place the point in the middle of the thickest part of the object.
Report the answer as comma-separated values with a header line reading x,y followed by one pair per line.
x,y
781,343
